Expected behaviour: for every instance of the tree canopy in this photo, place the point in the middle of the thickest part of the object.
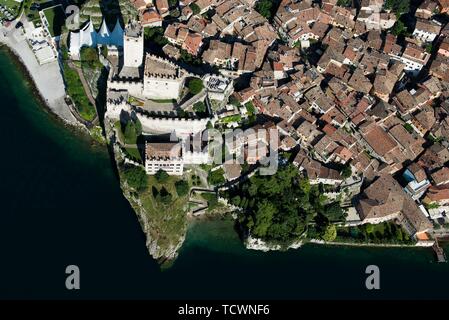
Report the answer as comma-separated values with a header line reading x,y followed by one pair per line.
x,y
136,177
182,187
161,176
280,207
399,7
195,85
266,8
216,177
195,8
199,107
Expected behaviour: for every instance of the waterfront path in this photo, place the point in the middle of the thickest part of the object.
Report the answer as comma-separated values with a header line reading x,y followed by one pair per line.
x,y
47,78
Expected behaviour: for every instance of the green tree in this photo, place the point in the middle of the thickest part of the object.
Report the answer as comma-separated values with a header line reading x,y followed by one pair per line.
x,y
216,177
334,212
344,3
182,187
89,57
263,219
346,172
236,200
195,85
234,101
265,8
369,228
161,176
399,7
136,177
199,107
330,233
156,35
164,196
399,29
195,9
173,3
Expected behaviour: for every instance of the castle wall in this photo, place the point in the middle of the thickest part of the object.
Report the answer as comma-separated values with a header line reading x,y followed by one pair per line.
x,y
182,127
134,88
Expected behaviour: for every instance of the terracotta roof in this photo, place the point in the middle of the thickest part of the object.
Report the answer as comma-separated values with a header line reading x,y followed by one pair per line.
x,y
150,16
165,150
441,176
380,141
193,43
385,198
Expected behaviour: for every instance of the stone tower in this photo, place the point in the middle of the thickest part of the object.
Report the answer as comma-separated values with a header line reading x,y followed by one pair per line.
x,y
133,45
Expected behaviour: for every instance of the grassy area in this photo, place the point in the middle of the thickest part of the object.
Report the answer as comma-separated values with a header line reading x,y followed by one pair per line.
x,y
230,119
12,7
408,127
76,92
168,221
97,134
386,232
164,100
134,153
135,101
250,108
56,19
118,129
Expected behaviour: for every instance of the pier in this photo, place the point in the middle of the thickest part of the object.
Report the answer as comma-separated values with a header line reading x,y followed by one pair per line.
x,y
441,256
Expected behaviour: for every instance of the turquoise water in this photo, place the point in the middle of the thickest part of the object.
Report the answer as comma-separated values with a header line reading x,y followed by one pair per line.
x,y
61,204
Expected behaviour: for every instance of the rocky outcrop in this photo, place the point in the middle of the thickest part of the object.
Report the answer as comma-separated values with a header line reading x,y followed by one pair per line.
x,y
261,245
158,252
155,250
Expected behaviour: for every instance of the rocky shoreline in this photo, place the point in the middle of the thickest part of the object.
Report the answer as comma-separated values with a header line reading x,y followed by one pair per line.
x,y
46,80
163,255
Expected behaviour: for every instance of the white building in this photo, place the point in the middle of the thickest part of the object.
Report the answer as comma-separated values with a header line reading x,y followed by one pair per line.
x,y
426,31
42,46
166,156
162,79
89,37
218,87
414,58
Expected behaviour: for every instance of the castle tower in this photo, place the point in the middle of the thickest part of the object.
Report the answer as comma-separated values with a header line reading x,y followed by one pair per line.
x,y
133,45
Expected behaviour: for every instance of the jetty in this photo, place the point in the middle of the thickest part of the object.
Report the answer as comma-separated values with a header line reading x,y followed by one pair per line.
x,y
441,256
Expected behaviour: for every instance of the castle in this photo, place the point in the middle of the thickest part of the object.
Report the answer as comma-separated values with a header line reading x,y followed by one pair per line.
x,y
161,79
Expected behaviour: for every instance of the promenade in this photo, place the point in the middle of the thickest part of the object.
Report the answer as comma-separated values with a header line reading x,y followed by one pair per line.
x,y
47,78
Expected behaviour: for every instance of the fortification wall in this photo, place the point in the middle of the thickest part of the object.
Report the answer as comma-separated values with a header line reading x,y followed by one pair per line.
x,y
134,88
182,127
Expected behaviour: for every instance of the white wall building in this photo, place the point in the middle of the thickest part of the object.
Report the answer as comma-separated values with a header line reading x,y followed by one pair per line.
x,y
89,37
166,156
162,79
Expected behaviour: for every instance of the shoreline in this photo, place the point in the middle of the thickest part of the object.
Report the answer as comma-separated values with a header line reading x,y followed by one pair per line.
x,y
49,93
36,93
